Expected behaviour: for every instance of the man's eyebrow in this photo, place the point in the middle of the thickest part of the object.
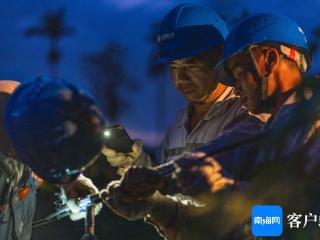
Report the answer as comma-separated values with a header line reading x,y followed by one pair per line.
x,y
182,63
191,60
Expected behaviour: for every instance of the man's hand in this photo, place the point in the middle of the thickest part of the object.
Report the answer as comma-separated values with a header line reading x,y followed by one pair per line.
x,y
130,209
198,174
141,182
123,160
79,188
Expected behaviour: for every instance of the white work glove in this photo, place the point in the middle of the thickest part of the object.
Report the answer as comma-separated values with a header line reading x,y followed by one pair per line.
x,y
77,213
130,209
79,188
123,160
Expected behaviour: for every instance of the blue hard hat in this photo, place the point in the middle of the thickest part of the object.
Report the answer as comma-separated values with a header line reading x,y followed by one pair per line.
x,y
264,28
188,30
55,127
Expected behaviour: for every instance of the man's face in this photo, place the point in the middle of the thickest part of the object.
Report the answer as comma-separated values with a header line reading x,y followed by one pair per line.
x,y
194,76
246,85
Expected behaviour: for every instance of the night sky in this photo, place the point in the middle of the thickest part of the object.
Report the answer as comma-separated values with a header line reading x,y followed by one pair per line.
x,y
128,22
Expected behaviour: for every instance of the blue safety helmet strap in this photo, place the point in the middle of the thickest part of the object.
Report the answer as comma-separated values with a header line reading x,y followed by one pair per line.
x,y
55,127
189,30
266,28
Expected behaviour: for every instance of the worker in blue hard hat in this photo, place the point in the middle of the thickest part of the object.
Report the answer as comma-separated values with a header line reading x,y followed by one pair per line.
x,y
267,54
41,121
46,120
273,38
190,41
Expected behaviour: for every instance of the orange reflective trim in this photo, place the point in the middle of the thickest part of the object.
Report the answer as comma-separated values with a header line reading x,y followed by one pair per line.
x,y
23,193
292,54
39,180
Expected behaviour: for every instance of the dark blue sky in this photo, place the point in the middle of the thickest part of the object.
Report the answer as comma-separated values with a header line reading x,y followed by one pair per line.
x,y
126,21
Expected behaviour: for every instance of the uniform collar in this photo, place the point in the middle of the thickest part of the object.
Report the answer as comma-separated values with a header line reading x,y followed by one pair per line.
x,y
215,110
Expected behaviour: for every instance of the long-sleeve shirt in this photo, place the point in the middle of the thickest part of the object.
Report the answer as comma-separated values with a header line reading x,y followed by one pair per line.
x,y
225,120
179,141
288,162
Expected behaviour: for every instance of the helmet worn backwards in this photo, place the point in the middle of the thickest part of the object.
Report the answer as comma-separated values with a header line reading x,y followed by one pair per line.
x,y
188,30
266,28
55,127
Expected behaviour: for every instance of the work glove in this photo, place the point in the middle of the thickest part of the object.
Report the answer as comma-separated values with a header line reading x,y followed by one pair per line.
x,y
141,182
78,213
114,197
79,188
123,160
197,174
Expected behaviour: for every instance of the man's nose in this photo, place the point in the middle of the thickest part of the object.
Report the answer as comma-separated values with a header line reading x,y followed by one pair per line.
x,y
182,76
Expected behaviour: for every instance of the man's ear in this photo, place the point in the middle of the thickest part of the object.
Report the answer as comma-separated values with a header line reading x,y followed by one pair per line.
x,y
272,59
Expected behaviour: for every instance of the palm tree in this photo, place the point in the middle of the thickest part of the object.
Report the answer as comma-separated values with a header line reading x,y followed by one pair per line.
x,y
109,77
52,27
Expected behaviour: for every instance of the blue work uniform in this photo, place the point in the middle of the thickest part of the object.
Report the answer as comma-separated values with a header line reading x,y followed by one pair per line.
x,y
16,207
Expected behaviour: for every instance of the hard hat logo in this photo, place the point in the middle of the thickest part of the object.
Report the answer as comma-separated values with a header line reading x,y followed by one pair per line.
x,y
165,36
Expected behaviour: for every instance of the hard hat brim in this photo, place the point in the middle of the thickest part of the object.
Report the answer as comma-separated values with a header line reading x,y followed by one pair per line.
x,y
191,53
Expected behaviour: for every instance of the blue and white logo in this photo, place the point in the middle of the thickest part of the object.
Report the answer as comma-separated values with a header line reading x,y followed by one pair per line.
x,y
267,221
